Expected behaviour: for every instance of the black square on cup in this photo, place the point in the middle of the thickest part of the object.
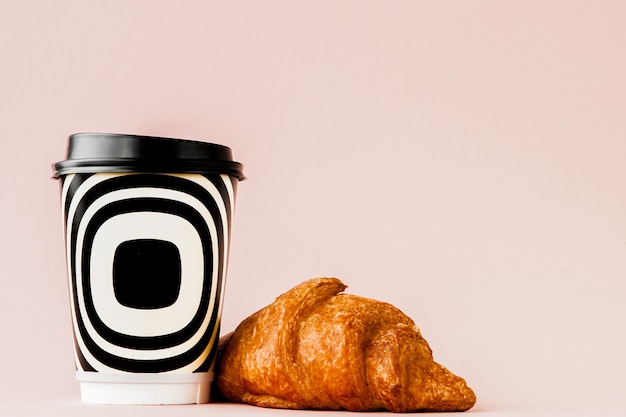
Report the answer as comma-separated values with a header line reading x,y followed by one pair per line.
x,y
146,273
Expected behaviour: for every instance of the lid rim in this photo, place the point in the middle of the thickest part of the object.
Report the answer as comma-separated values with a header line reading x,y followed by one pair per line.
x,y
90,166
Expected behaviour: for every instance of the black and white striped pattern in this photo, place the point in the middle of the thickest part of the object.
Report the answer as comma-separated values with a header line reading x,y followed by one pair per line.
x,y
191,212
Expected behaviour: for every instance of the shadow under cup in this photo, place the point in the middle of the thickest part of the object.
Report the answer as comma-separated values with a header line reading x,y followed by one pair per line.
x,y
147,234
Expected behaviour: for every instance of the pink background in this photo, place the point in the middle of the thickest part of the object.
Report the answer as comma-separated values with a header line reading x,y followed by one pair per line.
x,y
464,161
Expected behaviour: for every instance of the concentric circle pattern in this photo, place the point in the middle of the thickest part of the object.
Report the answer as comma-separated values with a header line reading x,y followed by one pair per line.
x,y
147,257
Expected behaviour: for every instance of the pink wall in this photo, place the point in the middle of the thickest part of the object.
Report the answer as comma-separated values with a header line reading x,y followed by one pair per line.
x,y
465,161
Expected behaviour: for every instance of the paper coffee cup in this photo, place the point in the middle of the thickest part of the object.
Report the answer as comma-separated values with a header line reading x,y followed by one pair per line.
x,y
147,233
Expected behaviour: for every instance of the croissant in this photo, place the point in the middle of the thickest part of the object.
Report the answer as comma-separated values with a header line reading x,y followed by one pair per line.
x,y
314,348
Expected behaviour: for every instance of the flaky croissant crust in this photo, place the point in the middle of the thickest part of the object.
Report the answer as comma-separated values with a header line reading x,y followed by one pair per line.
x,y
316,348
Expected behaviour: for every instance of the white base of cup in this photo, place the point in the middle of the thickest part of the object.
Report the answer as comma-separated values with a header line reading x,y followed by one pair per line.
x,y
144,389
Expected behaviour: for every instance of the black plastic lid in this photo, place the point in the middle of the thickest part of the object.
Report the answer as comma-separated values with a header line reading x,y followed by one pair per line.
x,y
109,152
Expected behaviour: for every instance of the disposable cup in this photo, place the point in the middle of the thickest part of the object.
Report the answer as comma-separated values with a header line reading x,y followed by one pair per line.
x,y
147,235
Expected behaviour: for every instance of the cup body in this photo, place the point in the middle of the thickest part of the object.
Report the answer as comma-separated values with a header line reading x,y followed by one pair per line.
x,y
147,256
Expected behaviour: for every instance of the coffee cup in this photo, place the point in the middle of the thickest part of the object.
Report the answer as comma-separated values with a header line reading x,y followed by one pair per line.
x,y
147,236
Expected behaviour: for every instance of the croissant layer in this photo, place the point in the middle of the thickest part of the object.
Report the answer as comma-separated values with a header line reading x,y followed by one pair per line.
x,y
316,348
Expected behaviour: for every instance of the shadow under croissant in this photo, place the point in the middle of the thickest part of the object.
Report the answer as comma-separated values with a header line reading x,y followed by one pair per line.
x,y
315,348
